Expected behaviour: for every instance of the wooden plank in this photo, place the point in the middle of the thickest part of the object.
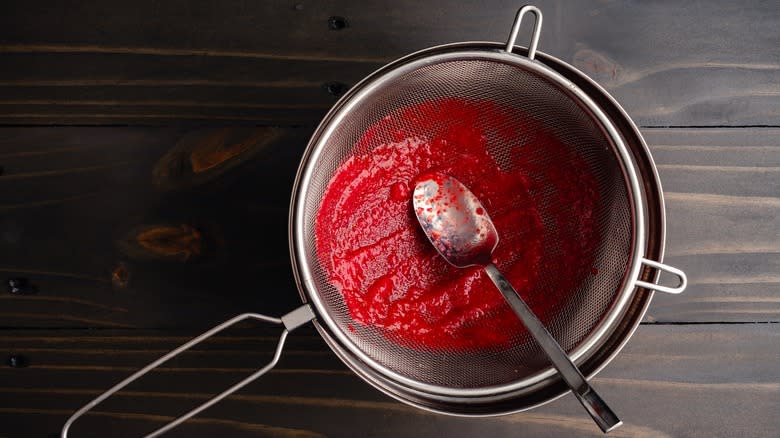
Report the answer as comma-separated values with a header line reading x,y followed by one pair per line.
x,y
723,224
668,65
73,202
129,68
726,387
73,198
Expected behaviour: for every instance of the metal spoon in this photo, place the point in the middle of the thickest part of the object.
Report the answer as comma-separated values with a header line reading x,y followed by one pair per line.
x,y
460,229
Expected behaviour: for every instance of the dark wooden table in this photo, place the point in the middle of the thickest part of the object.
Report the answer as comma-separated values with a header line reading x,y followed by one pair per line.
x,y
135,137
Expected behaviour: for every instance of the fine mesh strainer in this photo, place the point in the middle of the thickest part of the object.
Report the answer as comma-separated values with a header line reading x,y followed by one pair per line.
x,y
604,309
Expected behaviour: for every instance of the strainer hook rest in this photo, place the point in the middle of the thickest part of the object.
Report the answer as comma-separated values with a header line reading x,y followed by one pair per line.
x,y
510,44
681,278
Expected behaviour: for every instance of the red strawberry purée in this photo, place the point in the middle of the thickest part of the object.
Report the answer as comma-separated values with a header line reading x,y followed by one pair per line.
x,y
392,279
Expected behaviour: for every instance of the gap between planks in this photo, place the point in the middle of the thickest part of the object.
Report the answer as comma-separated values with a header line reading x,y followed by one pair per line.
x,y
275,430
171,103
121,82
161,51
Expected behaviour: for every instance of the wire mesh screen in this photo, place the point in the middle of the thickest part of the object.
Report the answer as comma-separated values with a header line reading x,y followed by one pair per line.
x,y
526,99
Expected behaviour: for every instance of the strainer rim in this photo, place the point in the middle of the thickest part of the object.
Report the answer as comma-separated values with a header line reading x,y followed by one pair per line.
x,y
342,109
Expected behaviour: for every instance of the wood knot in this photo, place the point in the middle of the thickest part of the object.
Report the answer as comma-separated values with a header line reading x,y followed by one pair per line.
x,y
18,361
167,242
337,23
120,276
20,286
203,155
183,241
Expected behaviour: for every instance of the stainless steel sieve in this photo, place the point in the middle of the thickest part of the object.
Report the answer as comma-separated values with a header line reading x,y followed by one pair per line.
x,y
605,309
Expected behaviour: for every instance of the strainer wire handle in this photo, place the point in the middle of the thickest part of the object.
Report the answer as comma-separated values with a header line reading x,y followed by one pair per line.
x,y
681,277
510,44
291,321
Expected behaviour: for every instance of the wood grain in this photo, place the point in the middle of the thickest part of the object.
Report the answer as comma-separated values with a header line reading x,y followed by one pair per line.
x,y
61,227
725,386
723,225
75,194
698,63
704,363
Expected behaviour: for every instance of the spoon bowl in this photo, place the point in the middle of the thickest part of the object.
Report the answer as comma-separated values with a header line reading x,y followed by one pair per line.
x,y
454,220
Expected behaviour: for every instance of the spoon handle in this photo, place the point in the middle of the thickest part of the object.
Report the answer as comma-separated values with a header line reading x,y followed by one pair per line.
x,y
596,407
